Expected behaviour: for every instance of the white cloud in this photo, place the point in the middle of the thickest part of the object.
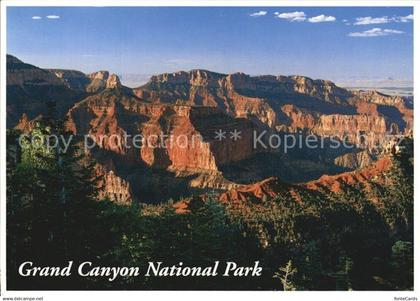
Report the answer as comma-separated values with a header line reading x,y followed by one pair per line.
x,y
383,20
375,32
392,31
346,22
404,19
259,13
297,16
370,20
53,17
321,18
36,18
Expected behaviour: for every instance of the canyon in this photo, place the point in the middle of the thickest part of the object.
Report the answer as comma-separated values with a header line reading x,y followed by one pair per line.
x,y
190,108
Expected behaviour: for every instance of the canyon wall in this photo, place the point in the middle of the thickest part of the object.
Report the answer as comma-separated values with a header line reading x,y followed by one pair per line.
x,y
176,117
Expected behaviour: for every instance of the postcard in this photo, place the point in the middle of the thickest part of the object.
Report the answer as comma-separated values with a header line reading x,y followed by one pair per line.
x,y
208,147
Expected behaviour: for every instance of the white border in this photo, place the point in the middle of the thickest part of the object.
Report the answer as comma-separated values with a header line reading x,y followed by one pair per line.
x,y
194,295
214,3
3,150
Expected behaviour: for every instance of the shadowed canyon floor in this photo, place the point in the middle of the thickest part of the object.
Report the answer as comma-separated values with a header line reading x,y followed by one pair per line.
x,y
184,105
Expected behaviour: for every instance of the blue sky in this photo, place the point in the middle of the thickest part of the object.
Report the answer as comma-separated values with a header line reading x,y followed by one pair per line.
x,y
320,42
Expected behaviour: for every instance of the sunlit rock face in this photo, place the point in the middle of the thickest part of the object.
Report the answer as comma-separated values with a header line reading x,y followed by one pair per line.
x,y
177,116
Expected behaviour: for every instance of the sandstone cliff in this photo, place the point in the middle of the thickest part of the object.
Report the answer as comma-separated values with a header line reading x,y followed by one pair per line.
x,y
177,137
179,140
176,117
270,188
73,79
354,160
30,89
288,103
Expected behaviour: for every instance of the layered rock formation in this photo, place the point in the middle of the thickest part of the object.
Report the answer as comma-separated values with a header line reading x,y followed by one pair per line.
x,y
30,89
177,137
354,160
270,188
91,83
113,187
159,141
336,183
73,79
288,103
102,80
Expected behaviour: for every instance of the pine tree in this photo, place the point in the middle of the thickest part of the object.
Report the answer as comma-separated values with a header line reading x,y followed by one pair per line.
x,y
51,198
285,274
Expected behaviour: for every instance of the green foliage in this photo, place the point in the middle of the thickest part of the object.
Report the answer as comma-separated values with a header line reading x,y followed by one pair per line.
x,y
335,241
285,274
340,241
402,265
51,201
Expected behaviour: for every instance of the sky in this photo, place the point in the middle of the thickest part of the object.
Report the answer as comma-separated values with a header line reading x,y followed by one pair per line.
x,y
336,43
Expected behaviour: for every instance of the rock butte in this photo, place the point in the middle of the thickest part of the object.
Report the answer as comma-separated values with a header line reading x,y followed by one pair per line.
x,y
199,102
